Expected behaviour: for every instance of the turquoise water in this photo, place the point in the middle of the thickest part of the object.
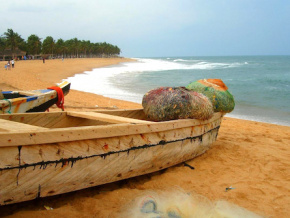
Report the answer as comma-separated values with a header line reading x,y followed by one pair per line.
x,y
260,84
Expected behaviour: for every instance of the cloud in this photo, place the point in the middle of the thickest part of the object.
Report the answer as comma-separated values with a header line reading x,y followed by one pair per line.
x,y
156,27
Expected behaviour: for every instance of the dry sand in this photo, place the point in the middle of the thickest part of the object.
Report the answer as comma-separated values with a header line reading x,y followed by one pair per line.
x,y
250,156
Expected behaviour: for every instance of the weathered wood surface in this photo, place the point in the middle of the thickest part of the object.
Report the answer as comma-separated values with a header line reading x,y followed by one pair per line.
x,y
128,150
106,117
89,132
13,126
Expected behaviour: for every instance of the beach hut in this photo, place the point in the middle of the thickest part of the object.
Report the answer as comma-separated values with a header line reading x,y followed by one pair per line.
x,y
9,54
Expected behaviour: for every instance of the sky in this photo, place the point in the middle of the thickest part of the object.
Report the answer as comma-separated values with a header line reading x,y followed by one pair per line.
x,y
158,28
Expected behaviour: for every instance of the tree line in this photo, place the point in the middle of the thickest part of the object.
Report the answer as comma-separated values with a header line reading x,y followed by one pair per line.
x,y
34,46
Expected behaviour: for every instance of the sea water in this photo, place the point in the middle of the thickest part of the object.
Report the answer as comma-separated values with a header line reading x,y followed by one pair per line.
x,y
259,84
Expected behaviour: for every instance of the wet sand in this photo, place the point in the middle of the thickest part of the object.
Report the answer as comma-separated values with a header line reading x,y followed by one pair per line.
x,y
251,157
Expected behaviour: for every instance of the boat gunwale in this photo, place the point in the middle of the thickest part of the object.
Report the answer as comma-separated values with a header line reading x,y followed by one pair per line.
x,y
66,134
15,101
34,95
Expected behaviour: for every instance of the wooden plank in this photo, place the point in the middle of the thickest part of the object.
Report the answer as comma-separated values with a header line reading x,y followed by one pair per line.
x,y
94,132
105,117
12,126
117,111
28,93
130,113
36,119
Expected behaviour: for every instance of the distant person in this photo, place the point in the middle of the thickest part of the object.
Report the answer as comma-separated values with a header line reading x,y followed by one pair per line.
x,y
8,65
43,60
5,66
12,62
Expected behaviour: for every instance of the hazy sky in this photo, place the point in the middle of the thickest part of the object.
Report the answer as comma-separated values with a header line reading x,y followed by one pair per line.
x,y
156,28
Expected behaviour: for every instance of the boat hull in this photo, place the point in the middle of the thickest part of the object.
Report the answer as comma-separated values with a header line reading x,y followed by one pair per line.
x,y
35,101
40,170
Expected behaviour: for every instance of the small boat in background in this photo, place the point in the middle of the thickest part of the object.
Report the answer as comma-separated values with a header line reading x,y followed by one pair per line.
x,y
46,154
34,100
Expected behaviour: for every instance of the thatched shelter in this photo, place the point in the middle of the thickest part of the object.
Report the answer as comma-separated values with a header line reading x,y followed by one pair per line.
x,y
9,54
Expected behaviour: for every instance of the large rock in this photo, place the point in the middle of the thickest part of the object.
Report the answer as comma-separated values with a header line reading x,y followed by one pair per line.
x,y
171,103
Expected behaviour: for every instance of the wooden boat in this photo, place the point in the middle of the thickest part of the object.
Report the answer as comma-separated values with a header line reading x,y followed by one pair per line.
x,y
45,154
32,101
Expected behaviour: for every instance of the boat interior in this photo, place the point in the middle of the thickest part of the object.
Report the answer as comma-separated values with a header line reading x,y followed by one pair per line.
x,y
11,95
48,120
20,94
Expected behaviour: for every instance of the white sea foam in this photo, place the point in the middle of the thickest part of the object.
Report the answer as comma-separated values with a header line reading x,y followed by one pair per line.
x,y
183,60
98,81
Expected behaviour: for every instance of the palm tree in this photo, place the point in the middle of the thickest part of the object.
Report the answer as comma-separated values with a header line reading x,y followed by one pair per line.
x,y
73,47
99,49
90,48
48,45
76,46
84,47
2,47
13,40
69,46
60,47
33,44
2,44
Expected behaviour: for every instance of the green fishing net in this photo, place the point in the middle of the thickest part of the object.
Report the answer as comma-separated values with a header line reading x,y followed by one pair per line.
x,y
217,92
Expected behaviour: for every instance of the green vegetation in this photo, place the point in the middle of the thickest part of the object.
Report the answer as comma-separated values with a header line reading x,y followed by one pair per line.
x,y
11,44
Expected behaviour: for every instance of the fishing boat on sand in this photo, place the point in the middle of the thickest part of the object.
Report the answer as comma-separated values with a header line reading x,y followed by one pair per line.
x,y
33,100
45,154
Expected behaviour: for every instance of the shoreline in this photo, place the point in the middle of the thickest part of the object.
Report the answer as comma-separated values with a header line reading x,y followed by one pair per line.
x,y
251,156
108,85
33,74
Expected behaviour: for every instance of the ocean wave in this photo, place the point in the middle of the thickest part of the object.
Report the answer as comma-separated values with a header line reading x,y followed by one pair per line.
x,y
177,64
99,81
183,60
210,65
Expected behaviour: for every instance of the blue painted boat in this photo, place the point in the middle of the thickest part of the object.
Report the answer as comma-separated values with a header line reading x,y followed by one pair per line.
x,y
33,100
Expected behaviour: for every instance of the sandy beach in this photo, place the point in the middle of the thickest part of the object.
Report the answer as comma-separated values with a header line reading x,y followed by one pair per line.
x,y
34,74
251,157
